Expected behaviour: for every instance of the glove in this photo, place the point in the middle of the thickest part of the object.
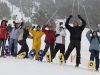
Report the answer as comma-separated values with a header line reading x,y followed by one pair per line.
x,y
98,30
33,27
70,16
57,35
78,15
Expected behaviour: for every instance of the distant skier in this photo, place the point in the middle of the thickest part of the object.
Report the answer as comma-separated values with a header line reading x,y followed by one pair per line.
x,y
3,35
49,39
14,38
75,38
94,41
60,40
36,34
23,35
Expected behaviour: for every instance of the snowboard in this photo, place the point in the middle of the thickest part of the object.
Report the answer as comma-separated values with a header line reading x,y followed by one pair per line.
x,y
21,55
61,59
32,54
40,55
91,65
48,57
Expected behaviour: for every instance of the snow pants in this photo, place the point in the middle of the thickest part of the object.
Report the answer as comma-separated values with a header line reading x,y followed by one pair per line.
x,y
24,47
36,45
74,44
51,49
95,55
58,47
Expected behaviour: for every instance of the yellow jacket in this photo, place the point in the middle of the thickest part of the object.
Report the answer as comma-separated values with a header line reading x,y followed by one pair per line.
x,y
36,36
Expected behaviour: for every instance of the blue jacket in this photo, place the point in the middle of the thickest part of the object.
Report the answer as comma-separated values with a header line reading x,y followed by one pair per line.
x,y
14,34
94,43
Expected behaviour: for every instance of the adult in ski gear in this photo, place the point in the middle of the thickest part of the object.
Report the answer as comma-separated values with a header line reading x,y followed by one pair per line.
x,y
94,41
49,39
75,38
60,40
14,38
23,35
3,35
36,33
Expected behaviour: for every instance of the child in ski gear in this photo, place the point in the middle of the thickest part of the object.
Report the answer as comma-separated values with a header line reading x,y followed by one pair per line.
x,y
75,38
49,39
14,38
94,41
3,35
9,28
23,35
36,34
60,40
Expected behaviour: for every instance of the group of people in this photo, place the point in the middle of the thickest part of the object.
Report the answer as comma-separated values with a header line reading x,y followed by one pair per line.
x,y
54,39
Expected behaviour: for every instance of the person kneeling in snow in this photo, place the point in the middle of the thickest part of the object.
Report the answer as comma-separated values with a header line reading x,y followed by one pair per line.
x,y
23,35
94,41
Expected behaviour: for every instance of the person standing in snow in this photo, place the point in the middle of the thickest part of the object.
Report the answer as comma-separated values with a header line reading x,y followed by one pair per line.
x,y
9,28
3,35
94,41
23,35
60,40
14,38
49,39
75,38
36,34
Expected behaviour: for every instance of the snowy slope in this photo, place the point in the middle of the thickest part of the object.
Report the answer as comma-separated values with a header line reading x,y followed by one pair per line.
x,y
11,66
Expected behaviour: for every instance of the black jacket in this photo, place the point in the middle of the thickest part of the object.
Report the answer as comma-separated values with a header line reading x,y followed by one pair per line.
x,y
75,32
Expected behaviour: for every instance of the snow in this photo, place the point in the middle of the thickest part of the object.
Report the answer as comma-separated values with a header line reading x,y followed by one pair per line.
x,y
12,66
16,11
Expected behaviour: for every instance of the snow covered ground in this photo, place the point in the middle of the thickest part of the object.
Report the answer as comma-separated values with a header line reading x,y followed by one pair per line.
x,y
12,66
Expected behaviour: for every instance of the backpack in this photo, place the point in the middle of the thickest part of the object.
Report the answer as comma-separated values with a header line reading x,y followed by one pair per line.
x,y
3,33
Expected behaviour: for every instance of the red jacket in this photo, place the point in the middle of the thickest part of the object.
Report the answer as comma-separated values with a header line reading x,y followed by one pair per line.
x,y
3,33
50,36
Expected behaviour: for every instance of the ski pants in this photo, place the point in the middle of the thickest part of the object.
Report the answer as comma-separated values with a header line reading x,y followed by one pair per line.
x,y
24,47
36,45
95,55
74,44
51,49
58,47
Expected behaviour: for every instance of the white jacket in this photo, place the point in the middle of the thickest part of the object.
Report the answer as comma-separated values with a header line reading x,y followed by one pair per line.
x,y
61,38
